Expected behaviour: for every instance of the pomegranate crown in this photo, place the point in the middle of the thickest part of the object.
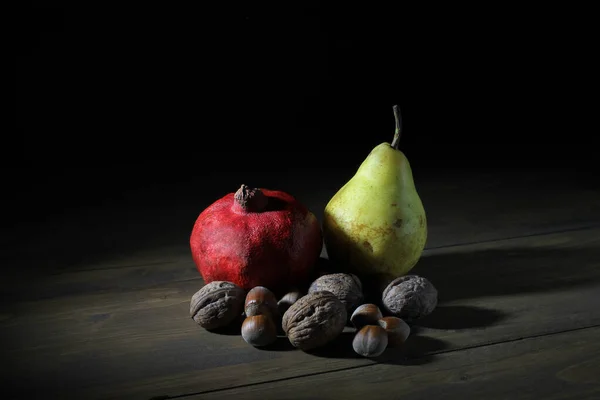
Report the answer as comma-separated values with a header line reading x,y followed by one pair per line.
x,y
250,199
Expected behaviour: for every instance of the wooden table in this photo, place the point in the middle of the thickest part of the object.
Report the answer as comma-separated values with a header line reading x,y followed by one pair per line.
x,y
96,303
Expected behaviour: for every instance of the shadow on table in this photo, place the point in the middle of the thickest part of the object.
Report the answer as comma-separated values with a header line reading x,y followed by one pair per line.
x,y
234,328
417,350
468,275
497,272
459,317
340,347
509,271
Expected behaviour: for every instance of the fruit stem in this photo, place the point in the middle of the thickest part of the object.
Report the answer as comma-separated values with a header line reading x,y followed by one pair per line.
x,y
398,118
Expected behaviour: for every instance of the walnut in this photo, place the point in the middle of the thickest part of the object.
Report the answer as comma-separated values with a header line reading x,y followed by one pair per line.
x,y
345,286
314,320
288,299
410,297
217,304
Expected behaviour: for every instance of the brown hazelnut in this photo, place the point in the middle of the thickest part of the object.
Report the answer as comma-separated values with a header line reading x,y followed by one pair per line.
x,y
397,330
409,297
345,286
217,304
261,300
287,300
366,314
259,330
370,341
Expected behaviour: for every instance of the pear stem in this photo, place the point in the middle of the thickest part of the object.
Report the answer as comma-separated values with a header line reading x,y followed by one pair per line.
x,y
398,118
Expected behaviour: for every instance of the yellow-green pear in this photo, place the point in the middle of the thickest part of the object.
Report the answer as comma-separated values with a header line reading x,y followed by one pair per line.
x,y
376,224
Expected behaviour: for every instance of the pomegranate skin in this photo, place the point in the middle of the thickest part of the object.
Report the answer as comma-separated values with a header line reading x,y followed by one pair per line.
x,y
274,244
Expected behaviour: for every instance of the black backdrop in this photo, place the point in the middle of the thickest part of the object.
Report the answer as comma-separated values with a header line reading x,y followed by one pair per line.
x,y
132,95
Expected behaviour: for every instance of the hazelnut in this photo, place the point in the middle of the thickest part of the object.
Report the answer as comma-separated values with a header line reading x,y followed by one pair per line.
x,y
345,286
410,297
259,330
261,300
217,304
397,330
366,314
370,341
287,300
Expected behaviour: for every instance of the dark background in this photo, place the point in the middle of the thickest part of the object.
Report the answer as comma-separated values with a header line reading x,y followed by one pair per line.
x,y
109,99
130,119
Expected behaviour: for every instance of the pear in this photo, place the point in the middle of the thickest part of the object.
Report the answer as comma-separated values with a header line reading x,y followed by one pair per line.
x,y
376,224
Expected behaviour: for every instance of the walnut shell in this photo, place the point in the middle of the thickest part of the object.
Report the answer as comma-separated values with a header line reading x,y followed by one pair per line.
x,y
410,297
345,286
217,304
287,300
314,320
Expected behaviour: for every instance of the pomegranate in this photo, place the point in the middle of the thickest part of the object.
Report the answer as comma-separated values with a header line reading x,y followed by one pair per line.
x,y
256,237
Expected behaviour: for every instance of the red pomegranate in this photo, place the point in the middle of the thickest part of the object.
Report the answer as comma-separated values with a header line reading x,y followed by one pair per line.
x,y
256,237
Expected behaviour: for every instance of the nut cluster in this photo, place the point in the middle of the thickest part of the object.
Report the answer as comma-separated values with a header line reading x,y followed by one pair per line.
x,y
313,319
260,326
376,332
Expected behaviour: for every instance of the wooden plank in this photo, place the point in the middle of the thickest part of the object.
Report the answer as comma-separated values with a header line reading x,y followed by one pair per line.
x,y
143,227
554,367
174,264
142,343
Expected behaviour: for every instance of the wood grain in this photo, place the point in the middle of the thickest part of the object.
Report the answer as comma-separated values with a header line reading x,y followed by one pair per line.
x,y
150,229
174,264
553,367
122,343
